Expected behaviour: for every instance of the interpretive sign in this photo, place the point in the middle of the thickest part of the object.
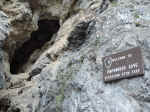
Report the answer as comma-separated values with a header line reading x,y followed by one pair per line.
x,y
123,65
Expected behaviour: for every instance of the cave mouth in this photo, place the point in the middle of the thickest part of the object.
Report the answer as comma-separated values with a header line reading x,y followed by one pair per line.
x,y
6,105
37,40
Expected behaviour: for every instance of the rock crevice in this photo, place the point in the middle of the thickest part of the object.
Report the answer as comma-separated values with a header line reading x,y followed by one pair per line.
x,y
37,40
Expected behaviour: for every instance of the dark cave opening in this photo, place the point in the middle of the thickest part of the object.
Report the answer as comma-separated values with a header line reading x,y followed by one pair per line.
x,y
5,106
38,38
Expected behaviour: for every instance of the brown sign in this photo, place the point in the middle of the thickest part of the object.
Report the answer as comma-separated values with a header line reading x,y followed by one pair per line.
x,y
123,65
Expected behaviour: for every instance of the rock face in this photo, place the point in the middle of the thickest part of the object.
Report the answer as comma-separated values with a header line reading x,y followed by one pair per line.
x,y
4,31
68,74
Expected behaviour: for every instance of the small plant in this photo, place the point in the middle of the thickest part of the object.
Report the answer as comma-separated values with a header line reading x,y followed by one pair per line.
x,y
113,2
59,100
136,15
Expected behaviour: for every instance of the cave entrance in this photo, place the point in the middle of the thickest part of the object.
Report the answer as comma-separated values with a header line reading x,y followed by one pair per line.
x,y
37,40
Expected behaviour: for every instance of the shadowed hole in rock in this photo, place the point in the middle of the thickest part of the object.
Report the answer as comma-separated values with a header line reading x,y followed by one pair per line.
x,y
38,39
5,106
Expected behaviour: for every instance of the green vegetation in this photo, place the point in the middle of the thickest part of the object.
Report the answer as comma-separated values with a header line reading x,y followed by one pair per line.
x,y
136,15
59,100
114,3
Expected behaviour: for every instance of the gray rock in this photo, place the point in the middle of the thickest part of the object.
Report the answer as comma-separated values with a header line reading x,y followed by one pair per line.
x,y
73,82
79,73
4,30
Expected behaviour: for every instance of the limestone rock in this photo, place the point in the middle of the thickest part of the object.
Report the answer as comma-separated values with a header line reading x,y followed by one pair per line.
x,y
21,21
4,31
78,77
68,75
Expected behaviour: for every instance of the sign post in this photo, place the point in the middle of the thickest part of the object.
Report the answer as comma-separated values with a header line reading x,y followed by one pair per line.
x,y
123,65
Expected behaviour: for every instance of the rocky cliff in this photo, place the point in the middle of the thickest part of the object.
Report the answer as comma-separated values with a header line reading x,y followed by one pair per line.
x,y
51,55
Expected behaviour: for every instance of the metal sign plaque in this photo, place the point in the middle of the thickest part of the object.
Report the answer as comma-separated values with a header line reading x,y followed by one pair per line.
x,y
123,65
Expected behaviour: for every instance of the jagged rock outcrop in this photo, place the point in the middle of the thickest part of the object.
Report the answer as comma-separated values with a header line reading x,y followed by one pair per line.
x,y
67,76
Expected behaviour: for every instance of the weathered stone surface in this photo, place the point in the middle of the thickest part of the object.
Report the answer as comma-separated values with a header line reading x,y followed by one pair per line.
x,y
70,35
78,77
4,31
68,76
21,21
